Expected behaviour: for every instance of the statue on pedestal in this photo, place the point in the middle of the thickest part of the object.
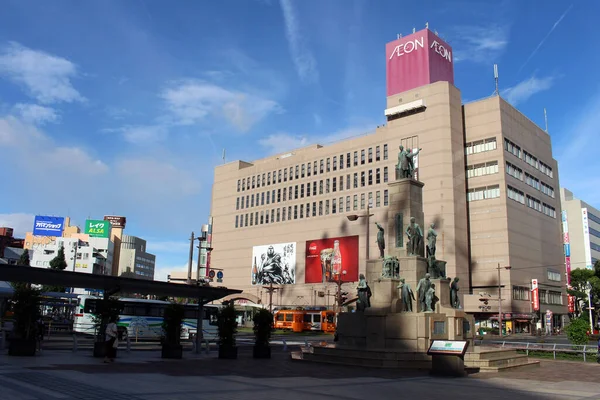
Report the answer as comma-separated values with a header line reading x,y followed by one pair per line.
x,y
390,267
430,299
454,300
422,287
431,240
380,239
406,294
405,165
364,294
415,236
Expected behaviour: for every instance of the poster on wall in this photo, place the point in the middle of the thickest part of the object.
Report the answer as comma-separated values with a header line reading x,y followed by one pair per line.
x,y
327,259
274,263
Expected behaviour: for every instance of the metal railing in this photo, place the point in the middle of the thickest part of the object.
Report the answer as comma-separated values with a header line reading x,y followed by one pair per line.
x,y
554,348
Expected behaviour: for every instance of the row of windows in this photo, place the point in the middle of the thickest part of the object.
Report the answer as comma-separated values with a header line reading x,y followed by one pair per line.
x,y
546,296
314,168
594,246
483,193
480,146
326,186
482,169
515,194
592,217
528,157
554,276
299,211
532,181
532,202
520,293
594,232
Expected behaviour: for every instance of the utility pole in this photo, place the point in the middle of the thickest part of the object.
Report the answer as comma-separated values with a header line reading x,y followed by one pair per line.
x,y
270,289
589,290
190,260
499,303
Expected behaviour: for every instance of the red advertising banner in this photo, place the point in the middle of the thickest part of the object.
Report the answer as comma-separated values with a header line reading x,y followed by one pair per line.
x,y
568,265
535,295
327,259
571,304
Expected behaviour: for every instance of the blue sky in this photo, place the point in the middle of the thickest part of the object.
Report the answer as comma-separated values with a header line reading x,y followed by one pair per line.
x,y
124,107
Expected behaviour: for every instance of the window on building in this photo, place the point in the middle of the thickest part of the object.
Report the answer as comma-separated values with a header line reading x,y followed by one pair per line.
x,y
314,188
246,220
548,210
268,178
355,205
347,160
285,175
252,200
333,185
314,209
291,173
296,212
279,176
251,219
237,221
327,185
290,197
322,166
321,186
554,276
532,181
362,179
253,182
512,148
308,169
301,211
362,157
378,199
284,194
326,207
335,163
370,199
377,154
302,191
531,160
238,185
347,203
514,171
362,201
297,172
341,161
341,183
555,297
370,155
268,197
483,193
296,192
520,293
278,214
534,203
377,176
237,203
547,190
256,218
385,197
341,204
515,194
303,171
482,169
243,184
282,214
315,168
320,208
546,169
480,146
370,177
289,213
328,164
333,207
308,189
355,158
348,182
307,210
267,217
385,174
279,195
385,151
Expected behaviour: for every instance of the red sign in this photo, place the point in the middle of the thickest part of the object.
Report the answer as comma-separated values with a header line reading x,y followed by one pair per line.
x,y
566,238
416,60
568,265
571,304
323,262
535,295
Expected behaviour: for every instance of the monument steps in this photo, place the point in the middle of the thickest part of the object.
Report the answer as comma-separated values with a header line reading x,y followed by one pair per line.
x,y
364,358
497,360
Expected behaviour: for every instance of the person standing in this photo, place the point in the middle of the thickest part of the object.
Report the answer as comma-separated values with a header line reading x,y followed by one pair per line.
x,y
111,339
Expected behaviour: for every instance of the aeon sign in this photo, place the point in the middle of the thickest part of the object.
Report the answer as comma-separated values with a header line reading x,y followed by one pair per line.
x,y
417,60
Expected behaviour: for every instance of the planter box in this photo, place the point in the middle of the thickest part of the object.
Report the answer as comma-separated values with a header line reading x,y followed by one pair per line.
x,y
228,353
22,347
261,352
173,351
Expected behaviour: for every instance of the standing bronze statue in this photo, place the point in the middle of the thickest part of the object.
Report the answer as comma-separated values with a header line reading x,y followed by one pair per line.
x,y
431,240
454,300
380,239
364,294
430,299
406,166
422,287
407,295
415,236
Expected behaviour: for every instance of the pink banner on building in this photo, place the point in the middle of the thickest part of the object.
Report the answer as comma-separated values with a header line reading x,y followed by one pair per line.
x,y
416,60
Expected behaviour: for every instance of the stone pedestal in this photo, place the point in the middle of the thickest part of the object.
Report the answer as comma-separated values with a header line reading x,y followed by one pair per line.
x,y
406,201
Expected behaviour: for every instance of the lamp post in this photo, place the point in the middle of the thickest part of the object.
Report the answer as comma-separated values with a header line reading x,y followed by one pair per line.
x,y
500,300
354,217
339,283
589,293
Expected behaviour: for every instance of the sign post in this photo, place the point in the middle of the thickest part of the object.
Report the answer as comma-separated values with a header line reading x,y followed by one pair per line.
x,y
448,357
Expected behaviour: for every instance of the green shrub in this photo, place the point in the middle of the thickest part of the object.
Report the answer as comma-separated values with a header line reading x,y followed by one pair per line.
x,y
577,331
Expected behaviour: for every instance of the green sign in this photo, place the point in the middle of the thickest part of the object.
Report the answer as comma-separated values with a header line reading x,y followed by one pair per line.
x,y
97,228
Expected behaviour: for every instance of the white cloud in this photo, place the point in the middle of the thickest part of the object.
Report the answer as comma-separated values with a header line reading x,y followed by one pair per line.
x,y
527,88
46,77
282,142
193,101
305,62
37,114
158,246
144,134
161,273
20,222
479,43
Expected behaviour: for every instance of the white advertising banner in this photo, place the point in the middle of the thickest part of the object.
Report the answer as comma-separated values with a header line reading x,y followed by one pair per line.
x,y
274,263
586,238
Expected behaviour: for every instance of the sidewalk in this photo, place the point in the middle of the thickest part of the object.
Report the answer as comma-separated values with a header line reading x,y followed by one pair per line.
x,y
144,376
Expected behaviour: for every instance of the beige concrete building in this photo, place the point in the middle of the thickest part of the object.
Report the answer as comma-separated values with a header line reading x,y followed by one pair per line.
x,y
490,182
32,240
581,224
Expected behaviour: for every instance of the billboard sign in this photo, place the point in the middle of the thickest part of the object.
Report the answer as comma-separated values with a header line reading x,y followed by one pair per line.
x,y
274,263
116,221
326,259
586,238
48,226
97,228
416,60
535,295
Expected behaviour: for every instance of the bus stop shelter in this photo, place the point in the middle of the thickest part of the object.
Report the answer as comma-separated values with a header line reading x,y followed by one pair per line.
x,y
111,285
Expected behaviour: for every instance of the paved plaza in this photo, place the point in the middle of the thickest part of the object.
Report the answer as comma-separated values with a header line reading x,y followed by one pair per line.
x,y
143,375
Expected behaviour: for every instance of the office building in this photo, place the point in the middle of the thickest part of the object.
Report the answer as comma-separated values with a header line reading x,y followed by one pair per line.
x,y
490,181
581,230
134,261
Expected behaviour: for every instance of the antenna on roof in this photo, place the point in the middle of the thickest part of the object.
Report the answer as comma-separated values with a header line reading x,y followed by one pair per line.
x,y
496,79
546,119
436,33
426,25
398,36
414,30
223,156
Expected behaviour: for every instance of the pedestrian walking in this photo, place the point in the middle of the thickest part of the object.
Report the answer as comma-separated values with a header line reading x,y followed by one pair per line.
x,y
111,340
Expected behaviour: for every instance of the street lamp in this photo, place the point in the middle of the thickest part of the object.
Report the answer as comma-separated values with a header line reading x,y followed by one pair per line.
x,y
500,300
354,217
588,286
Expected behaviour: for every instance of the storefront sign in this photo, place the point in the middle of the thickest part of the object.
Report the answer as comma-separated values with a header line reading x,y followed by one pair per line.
x,y
535,295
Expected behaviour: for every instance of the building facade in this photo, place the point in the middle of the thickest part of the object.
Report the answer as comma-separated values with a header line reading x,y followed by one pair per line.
x,y
32,240
278,219
134,261
582,233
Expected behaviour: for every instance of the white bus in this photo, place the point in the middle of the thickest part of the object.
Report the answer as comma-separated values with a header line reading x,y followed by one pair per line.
x,y
142,319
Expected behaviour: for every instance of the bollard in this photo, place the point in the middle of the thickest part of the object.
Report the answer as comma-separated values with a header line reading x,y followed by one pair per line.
x,y
74,343
207,346
284,345
128,343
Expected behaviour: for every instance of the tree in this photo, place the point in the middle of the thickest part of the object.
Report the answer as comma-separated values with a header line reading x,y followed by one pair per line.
x,y
24,259
577,330
59,262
